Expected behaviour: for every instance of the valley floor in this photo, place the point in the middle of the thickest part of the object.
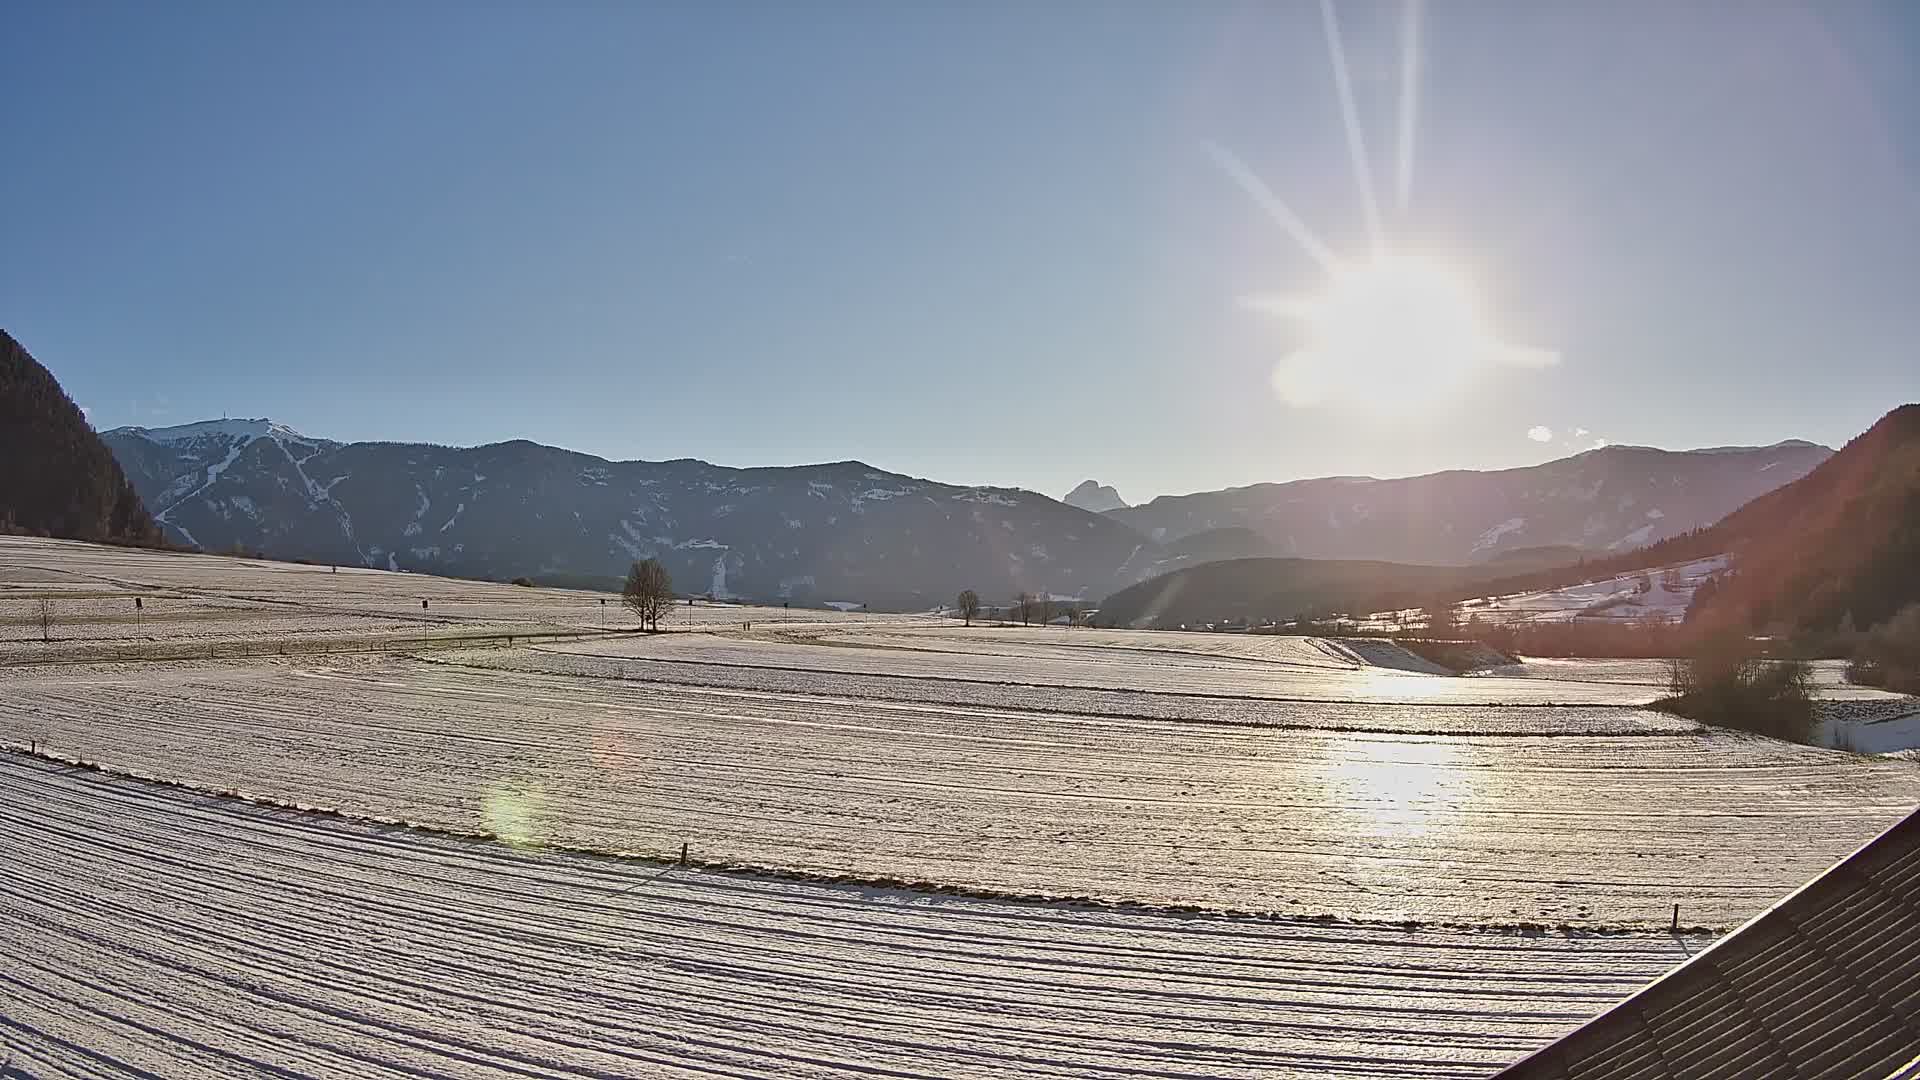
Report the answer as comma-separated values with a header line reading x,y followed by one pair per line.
x,y
918,850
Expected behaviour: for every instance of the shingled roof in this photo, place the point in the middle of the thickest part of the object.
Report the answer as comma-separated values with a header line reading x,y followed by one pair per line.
x,y
1826,983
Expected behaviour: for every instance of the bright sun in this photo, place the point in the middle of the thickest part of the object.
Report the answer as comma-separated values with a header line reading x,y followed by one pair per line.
x,y
1396,333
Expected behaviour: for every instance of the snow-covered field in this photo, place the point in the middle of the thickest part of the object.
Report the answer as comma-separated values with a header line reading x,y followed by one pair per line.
x,y
188,602
1619,598
158,933
1596,829
987,660
1256,823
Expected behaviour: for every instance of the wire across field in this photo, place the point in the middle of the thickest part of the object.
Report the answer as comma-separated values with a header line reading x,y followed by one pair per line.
x,y
1607,830
155,932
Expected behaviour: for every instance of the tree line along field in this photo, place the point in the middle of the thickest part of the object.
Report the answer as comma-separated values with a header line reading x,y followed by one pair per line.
x,y
1290,859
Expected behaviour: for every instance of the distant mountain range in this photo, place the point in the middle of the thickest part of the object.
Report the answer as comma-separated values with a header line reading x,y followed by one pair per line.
x,y
1836,549
842,532
56,477
1607,500
849,532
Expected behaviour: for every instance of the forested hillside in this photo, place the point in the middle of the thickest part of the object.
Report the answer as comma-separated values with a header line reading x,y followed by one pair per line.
x,y
56,477
1840,546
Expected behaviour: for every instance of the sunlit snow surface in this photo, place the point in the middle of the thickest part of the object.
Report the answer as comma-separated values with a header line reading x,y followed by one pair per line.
x,y
1306,803
152,932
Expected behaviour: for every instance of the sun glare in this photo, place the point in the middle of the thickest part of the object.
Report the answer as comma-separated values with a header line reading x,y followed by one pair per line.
x,y
1399,331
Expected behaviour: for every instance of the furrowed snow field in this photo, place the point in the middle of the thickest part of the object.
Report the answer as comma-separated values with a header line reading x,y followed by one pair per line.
x,y
1138,670
1292,857
155,932
189,602
1384,717
1597,830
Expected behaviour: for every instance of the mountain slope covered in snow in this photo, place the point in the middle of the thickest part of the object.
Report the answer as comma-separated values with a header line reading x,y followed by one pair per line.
x,y
810,534
847,532
1608,500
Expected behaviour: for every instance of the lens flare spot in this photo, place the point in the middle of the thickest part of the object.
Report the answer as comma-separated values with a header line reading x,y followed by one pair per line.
x,y
514,813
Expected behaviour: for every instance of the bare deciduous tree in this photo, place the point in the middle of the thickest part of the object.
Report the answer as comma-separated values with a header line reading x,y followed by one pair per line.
x,y
1023,607
46,619
648,592
969,605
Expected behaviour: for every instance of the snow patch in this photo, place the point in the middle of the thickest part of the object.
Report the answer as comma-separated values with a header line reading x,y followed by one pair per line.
x,y
1492,536
244,430
981,495
1636,538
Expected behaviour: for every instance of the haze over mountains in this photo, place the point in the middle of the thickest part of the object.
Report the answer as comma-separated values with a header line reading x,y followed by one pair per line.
x,y
1606,500
850,532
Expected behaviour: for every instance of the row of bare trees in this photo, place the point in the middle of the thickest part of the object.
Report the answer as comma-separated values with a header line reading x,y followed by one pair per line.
x,y
1029,608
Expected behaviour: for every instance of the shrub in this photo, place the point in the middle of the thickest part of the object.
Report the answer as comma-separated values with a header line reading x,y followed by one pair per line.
x,y
1889,654
525,583
1726,683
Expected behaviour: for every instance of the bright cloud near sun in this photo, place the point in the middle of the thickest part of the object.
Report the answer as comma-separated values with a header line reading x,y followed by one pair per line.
x,y
1540,433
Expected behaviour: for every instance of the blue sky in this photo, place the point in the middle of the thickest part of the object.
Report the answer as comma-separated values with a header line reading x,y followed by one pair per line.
x,y
981,243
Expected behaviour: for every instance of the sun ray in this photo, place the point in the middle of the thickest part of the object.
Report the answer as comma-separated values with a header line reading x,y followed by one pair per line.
x,y
1356,142
1279,211
1409,100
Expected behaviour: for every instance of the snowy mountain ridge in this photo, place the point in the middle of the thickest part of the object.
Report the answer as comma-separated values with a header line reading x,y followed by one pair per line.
x,y
238,429
1606,500
842,531
848,531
